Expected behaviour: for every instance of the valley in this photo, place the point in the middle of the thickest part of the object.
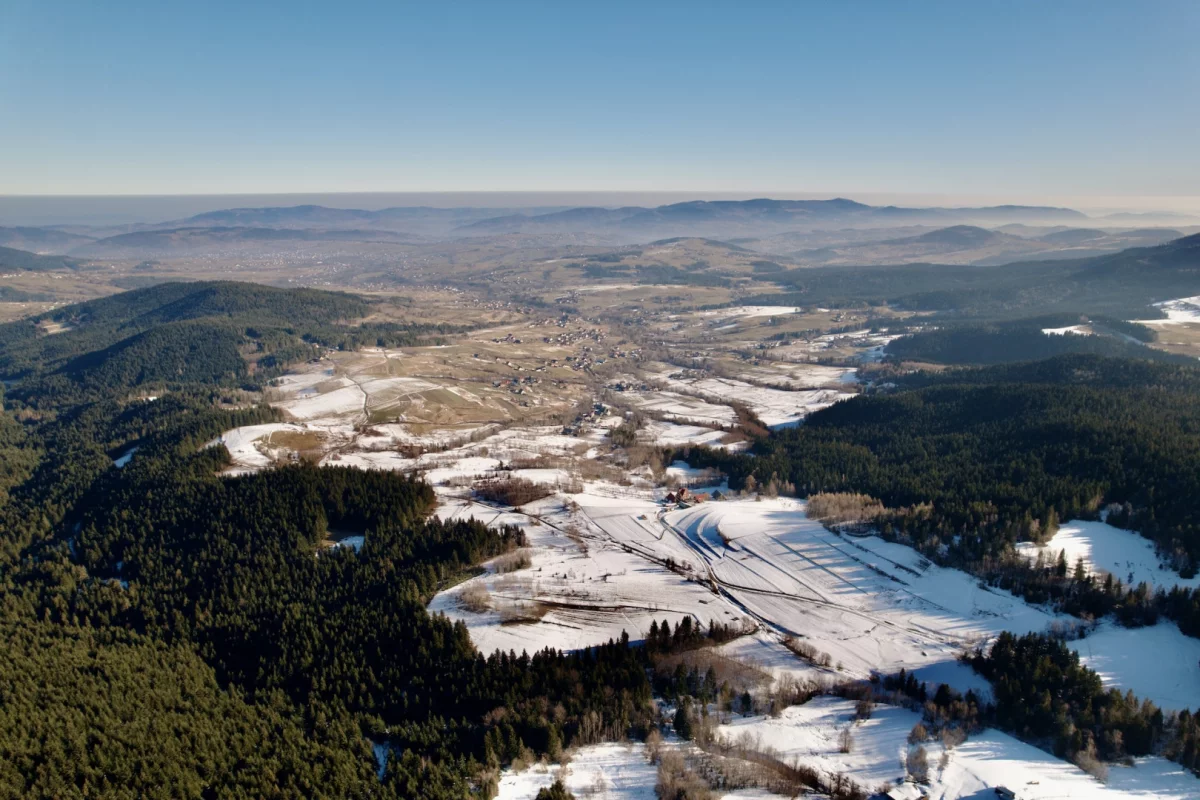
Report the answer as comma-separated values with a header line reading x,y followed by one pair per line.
x,y
629,440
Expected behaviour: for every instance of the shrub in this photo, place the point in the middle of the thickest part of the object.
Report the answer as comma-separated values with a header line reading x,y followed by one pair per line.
x,y
476,598
511,491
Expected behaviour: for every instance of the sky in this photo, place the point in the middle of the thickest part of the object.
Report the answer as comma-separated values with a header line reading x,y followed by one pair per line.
x,y
1012,100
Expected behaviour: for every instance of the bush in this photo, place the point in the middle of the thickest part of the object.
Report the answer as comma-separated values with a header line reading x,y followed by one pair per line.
x,y
917,764
511,491
511,562
476,598
844,507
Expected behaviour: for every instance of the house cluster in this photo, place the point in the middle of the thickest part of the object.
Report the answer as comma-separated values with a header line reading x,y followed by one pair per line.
x,y
905,791
516,385
508,339
597,411
629,386
686,498
572,337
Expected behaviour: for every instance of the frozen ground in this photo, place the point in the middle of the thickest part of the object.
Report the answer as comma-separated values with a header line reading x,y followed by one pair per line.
x,y
810,734
869,604
1125,554
1158,663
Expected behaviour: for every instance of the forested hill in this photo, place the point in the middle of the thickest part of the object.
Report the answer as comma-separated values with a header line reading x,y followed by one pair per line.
x,y
184,333
22,260
1024,340
1122,285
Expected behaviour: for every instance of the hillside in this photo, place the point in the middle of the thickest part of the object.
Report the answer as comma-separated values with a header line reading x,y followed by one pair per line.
x,y
174,332
973,245
23,260
1022,340
41,240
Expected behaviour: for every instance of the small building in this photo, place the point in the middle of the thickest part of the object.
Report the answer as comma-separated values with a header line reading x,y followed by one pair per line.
x,y
907,791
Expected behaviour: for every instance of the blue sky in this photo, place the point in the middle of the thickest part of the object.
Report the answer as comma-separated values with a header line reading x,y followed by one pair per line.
x,y
1018,98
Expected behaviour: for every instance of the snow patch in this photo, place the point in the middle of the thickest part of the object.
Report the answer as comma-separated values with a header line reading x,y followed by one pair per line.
x,y
1127,555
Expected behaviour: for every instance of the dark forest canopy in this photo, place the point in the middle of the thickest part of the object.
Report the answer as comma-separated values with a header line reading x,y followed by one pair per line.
x,y
1024,340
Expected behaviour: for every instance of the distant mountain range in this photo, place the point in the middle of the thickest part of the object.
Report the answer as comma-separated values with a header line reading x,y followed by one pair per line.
x,y
218,239
817,231
718,217
734,218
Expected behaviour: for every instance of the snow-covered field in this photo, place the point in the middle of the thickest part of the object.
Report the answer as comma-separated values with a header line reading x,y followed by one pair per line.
x,y
810,734
869,604
670,434
1178,311
253,447
801,375
775,407
1125,554
682,407
1158,663
613,771
751,311
603,772
580,590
